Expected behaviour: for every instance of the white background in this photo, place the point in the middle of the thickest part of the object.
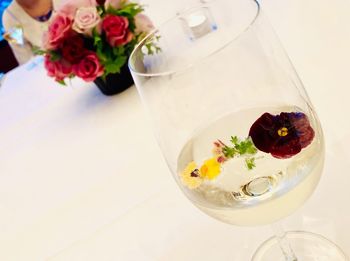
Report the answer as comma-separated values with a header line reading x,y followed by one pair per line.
x,y
82,178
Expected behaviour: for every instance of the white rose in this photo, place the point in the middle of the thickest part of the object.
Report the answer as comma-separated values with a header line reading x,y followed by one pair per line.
x,y
86,18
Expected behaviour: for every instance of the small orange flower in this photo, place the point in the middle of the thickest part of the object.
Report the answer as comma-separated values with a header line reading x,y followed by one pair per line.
x,y
210,169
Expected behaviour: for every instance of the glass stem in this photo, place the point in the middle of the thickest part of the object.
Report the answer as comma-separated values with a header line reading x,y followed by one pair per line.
x,y
283,242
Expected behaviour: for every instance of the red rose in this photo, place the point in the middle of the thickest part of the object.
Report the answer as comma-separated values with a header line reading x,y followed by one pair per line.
x,y
101,2
57,69
89,68
59,28
116,29
73,49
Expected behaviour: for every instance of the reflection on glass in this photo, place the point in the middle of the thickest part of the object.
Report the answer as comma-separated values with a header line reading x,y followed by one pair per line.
x,y
14,35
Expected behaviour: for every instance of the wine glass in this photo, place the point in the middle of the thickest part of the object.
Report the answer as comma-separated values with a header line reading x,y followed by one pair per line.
x,y
233,121
15,35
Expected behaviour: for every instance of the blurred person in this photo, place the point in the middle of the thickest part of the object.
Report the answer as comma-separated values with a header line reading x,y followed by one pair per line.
x,y
30,18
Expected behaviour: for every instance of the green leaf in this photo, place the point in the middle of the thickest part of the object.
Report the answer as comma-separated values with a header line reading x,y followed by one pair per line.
x,y
37,51
120,61
115,66
234,140
132,25
229,152
128,10
118,51
245,147
97,38
152,48
250,163
62,82
100,9
149,49
111,68
111,10
101,55
54,56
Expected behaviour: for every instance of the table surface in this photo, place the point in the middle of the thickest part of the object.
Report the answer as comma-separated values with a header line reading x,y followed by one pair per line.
x,y
82,178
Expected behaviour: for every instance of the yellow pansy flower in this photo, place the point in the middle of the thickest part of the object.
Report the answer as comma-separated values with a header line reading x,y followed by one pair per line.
x,y
191,176
210,169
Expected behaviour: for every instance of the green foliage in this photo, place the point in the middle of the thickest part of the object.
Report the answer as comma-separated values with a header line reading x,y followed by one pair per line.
x,y
241,148
97,38
250,163
152,48
229,152
151,43
245,147
234,139
128,10
132,25
54,56
62,82
100,9
37,51
114,58
117,51
114,66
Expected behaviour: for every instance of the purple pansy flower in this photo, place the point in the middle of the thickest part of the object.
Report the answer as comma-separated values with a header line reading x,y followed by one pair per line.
x,y
282,135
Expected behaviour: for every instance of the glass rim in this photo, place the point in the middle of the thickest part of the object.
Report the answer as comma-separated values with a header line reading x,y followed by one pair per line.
x,y
156,29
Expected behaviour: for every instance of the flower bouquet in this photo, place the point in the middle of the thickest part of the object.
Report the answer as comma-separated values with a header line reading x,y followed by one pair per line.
x,y
92,39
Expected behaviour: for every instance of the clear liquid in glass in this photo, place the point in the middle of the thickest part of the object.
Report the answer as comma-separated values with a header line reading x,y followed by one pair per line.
x,y
268,192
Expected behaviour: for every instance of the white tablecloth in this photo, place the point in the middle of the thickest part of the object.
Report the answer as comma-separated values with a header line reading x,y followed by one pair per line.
x,y
82,178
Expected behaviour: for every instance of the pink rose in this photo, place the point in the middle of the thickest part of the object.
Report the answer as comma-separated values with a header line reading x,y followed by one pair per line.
x,y
143,24
116,4
89,68
70,7
116,29
57,31
57,69
86,18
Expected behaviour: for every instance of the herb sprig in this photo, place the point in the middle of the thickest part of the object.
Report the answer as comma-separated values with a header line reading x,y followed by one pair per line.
x,y
241,148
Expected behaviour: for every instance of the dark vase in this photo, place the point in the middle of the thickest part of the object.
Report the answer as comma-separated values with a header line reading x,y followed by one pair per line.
x,y
115,83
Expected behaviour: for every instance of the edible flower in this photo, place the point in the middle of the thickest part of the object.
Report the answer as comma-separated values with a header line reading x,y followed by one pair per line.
x,y
210,169
283,135
191,176
218,151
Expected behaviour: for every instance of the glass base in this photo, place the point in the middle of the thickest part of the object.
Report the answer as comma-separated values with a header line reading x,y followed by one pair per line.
x,y
306,246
